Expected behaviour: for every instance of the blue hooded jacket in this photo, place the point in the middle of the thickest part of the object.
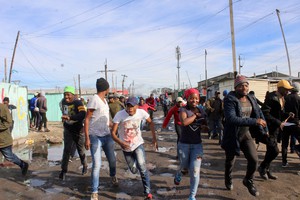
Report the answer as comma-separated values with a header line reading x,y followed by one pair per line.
x,y
233,120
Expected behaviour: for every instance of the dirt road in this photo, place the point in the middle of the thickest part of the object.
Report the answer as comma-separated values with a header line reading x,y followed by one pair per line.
x,y
42,180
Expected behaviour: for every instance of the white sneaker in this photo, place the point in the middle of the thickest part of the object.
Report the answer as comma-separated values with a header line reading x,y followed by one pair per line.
x,y
94,196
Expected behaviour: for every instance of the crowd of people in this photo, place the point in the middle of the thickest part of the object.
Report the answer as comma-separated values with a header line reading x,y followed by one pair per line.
x,y
238,120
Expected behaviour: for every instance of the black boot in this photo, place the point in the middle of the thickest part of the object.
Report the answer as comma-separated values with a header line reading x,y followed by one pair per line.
x,y
228,183
251,188
263,173
270,175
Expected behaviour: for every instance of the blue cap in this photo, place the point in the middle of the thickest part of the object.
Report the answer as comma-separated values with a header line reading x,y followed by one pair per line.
x,y
132,101
225,92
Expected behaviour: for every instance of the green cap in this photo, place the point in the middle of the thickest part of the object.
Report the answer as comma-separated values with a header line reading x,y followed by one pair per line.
x,y
69,89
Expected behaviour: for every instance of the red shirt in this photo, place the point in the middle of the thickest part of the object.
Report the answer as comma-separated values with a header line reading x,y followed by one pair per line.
x,y
151,102
145,107
173,111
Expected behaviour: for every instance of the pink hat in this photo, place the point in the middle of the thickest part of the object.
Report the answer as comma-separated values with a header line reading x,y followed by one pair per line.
x,y
188,92
239,80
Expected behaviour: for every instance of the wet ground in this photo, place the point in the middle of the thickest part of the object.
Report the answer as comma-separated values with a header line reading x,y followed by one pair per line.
x,y
42,180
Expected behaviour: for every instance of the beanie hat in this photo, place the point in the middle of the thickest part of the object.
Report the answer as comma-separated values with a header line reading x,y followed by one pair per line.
x,y
102,85
189,92
239,80
69,89
296,87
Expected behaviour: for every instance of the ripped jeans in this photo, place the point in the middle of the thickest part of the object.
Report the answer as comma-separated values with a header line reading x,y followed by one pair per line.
x,y
190,156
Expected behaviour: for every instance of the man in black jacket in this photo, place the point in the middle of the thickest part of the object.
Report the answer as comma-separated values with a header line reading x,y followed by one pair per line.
x,y
292,104
73,115
244,120
275,115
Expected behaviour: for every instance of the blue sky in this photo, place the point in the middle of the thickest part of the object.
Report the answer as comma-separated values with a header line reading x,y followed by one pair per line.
x,y
61,39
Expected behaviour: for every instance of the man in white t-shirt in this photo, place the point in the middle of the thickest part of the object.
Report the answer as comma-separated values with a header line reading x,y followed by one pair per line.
x,y
131,141
98,136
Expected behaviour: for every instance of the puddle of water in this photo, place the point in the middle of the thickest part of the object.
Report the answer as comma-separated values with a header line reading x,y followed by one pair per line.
x,y
205,185
160,138
206,164
170,128
158,120
130,175
164,149
55,152
173,167
37,182
167,175
164,191
54,190
122,195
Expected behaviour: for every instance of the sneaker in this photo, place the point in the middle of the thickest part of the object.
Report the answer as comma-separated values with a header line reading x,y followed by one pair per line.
x,y
84,169
263,173
177,178
94,196
285,165
271,176
251,188
191,198
62,175
46,130
149,196
24,168
114,181
228,184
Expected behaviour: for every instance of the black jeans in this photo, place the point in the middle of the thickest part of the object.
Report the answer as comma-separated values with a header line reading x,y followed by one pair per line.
x,y
287,132
43,120
71,137
272,150
247,146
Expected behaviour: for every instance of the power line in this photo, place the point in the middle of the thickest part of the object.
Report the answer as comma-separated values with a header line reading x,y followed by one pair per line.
x,y
88,19
69,18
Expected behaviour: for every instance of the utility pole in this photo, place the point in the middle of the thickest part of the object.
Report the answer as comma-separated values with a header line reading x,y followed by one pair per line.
x,y
124,76
132,92
189,79
240,64
105,69
79,87
232,39
13,57
75,83
205,71
178,56
286,49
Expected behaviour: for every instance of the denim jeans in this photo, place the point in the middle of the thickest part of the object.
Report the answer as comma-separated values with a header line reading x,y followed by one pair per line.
x,y
10,156
178,131
138,158
97,144
190,156
72,138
